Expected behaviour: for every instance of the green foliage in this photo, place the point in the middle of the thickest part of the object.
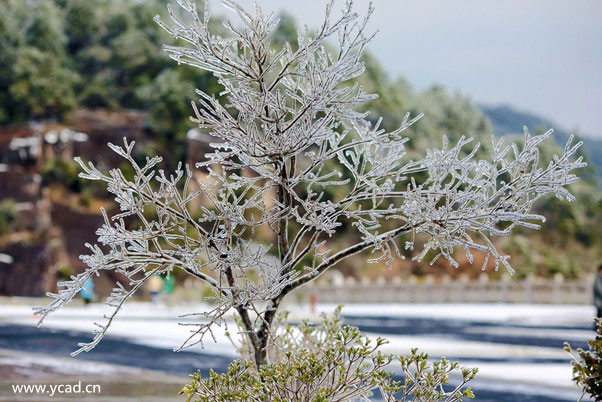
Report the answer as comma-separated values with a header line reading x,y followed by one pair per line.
x,y
43,27
34,78
41,85
66,173
330,361
8,213
64,272
285,32
82,24
169,97
587,365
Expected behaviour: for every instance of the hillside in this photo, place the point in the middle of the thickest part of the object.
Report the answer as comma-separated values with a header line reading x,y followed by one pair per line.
x,y
124,85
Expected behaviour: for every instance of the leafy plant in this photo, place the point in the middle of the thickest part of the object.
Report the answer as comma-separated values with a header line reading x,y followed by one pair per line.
x,y
56,170
330,362
587,365
8,213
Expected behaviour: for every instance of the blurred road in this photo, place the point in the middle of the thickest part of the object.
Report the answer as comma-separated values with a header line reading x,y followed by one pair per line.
x,y
112,383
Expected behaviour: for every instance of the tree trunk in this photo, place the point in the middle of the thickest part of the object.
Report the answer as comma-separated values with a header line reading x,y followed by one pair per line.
x,y
262,336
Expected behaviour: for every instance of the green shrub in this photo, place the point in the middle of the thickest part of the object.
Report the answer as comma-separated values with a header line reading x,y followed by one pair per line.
x,y
587,365
329,362
8,213
64,172
64,272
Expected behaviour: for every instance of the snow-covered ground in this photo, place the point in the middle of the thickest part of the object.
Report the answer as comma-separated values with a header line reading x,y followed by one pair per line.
x,y
516,347
141,323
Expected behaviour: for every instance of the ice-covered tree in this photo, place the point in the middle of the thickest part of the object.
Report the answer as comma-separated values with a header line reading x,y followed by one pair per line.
x,y
286,134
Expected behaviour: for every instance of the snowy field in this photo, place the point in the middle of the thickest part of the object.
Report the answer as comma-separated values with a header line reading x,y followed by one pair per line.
x,y
517,348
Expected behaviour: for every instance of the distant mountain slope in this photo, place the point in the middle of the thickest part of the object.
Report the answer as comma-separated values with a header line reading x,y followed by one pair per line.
x,y
508,120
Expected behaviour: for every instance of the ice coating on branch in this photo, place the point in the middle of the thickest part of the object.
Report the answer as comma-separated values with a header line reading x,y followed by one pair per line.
x,y
286,137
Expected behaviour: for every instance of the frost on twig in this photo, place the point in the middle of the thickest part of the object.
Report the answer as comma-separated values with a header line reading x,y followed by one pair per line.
x,y
288,143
